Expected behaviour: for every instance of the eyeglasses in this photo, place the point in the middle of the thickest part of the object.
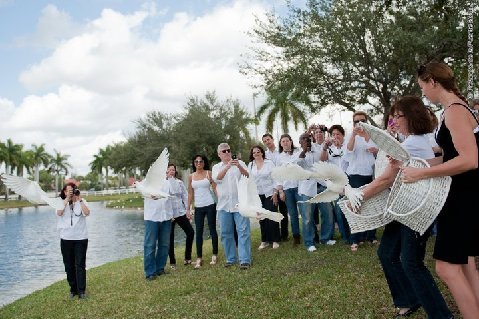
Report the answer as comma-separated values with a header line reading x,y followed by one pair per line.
x,y
226,151
361,120
199,161
398,116
257,152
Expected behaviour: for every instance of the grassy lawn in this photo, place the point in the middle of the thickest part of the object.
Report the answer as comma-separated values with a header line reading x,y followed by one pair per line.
x,y
284,283
114,201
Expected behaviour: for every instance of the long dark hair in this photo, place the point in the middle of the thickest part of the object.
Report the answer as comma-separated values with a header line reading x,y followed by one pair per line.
x,y
292,144
251,158
205,162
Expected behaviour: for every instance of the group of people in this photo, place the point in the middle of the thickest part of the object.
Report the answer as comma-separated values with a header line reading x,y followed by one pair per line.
x,y
214,194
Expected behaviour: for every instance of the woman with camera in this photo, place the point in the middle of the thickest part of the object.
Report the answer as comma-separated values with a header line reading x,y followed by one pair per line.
x,y
74,238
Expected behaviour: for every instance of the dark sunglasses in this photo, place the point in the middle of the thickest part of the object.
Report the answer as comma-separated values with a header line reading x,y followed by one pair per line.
x,y
199,161
226,151
357,121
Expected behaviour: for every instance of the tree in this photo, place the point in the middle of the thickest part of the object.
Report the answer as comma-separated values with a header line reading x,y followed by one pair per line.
x,y
358,53
11,156
59,164
39,157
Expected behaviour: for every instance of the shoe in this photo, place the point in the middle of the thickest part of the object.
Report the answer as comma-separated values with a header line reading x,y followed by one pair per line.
x,y
263,245
151,277
374,242
187,262
311,249
409,312
244,266
198,263
354,247
330,242
161,273
275,245
214,260
296,241
82,295
173,267
72,295
227,265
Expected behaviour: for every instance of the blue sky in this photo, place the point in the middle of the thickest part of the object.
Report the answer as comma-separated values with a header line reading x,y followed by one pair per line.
x,y
85,69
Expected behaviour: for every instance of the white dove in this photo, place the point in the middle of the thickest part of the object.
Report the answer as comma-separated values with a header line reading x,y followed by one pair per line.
x,y
152,185
249,203
31,191
335,179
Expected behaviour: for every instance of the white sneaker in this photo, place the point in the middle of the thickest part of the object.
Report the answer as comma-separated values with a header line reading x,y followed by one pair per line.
x,y
311,249
331,242
263,245
275,245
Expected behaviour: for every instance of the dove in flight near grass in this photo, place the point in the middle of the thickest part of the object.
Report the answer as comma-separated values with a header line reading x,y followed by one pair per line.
x,y
152,185
249,203
31,191
335,179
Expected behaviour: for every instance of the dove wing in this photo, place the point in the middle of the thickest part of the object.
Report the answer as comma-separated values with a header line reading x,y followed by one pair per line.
x,y
290,172
355,195
325,196
334,173
243,190
31,191
156,175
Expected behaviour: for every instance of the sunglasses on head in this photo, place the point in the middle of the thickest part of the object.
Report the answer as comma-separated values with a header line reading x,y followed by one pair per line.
x,y
357,121
226,151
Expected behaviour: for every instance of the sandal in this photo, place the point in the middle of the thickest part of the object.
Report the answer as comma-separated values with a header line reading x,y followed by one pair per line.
x,y
214,260
187,262
198,263
354,247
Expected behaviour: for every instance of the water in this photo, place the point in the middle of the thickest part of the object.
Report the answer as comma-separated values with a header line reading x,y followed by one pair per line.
x,y
30,245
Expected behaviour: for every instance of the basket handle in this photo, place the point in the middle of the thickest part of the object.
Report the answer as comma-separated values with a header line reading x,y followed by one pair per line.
x,y
389,210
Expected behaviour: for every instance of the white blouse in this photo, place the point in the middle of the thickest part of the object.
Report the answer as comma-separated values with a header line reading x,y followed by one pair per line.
x,y
262,177
72,224
283,159
360,161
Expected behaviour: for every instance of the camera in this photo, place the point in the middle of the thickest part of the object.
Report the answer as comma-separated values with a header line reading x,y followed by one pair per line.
x,y
234,156
75,191
323,128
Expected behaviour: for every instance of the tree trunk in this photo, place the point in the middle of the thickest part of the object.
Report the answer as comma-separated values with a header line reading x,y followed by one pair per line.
x,y
37,173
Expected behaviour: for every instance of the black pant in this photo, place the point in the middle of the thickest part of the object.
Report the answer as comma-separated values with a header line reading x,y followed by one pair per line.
x,y
185,224
284,222
269,228
74,259
210,213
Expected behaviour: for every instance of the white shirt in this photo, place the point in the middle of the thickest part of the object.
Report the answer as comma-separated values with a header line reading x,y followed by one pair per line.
x,y
309,187
262,177
360,161
227,188
272,155
336,154
180,196
284,159
72,223
158,210
418,146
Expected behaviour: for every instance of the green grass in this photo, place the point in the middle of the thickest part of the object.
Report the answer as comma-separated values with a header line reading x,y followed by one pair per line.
x,y
284,283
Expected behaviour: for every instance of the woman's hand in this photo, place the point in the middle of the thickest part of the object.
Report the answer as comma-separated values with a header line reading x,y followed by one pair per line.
x,y
282,195
275,198
394,163
411,174
188,214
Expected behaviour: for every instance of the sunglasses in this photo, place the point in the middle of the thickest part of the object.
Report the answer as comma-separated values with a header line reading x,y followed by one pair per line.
x,y
398,116
361,120
226,151
199,161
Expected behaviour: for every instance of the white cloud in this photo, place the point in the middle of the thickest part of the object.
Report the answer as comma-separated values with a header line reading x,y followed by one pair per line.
x,y
111,73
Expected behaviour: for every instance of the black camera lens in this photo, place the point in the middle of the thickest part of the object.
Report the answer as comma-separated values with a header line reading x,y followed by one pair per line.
x,y
233,156
76,192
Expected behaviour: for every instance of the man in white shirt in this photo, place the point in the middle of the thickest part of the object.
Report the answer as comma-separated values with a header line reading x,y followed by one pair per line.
x,y
226,174
272,154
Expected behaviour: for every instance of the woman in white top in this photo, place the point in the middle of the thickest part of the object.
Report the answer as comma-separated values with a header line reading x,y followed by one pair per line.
x,y
200,188
401,251
157,214
181,216
260,169
74,238
288,190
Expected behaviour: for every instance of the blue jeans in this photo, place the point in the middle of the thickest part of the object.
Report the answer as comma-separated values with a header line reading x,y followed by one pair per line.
x,y
228,220
292,198
157,234
401,254
306,211
343,226
327,218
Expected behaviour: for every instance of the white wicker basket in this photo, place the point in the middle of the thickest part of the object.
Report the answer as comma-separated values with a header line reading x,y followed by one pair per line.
x,y
417,205
372,214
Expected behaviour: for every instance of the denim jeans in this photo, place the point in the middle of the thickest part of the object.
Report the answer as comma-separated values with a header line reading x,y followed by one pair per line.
x,y
74,259
228,220
210,213
342,222
327,218
185,224
292,198
369,235
307,218
157,234
401,254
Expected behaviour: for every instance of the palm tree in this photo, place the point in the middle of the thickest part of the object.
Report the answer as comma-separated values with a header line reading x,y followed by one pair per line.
x,y
59,164
102,161
11,154
285,105
39,157
97,165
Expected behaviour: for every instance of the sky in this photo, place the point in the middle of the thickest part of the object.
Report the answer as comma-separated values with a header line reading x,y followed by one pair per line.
x,y
76,74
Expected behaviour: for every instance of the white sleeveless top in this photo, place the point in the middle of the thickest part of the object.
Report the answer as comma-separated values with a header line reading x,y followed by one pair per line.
x,y
202,194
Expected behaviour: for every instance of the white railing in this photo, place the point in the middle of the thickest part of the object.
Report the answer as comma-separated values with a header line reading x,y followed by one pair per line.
x,y
85,193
